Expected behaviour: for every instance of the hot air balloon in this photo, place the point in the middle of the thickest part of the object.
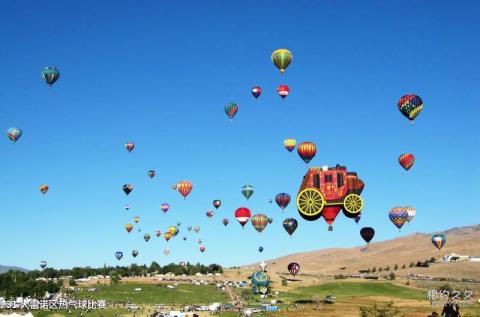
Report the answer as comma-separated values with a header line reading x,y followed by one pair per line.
x,y
330,213
50,75
225,221
128,227
290,225
126,206
174,186
283,91
158,233
247,191
119,255
167,235
184,238
367,234
172,230
293,268
289,144
209,213
43,264
357,218
270,220
196,229
139,230
260,249
259,222
256,91
136,219
406,160
164,207
439,240
129,146
184,187
410,106
127,188
44,189
202,248
231,110
151,173
260,282
282,58
398,216
176,232
14,134
179,223
134,253
307,151
411,213
199,241
217,203
282,199
242,215
189,228
146,237
166,252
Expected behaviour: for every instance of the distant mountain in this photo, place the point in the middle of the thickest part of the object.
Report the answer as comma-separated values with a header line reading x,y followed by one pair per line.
x,y
400,251
4,269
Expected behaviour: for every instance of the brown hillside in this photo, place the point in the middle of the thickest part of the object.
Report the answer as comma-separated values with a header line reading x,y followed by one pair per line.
x,y
411,248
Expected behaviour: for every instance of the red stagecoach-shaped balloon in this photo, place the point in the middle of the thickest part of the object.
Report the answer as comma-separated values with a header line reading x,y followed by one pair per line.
x,y
325,191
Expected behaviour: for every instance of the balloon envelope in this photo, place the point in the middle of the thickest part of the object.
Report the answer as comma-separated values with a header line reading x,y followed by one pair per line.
x,y
184,187
242,215
406,160
290,225
50,75
281,58
119,255
43,264
289,144
14,134
259,222
367,234
307,151
410,106
256,91
127,188
282,200
247,191
439,240
293,268
231,110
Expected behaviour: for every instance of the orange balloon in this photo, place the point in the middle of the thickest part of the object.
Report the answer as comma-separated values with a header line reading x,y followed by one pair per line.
x,y
184,187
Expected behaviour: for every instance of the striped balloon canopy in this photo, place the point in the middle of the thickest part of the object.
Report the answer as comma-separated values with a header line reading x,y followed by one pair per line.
x,y
281,58
259,222
439,240
406,160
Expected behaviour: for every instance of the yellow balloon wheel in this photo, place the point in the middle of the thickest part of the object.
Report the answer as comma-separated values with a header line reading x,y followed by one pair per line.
x,y
353,203
310,202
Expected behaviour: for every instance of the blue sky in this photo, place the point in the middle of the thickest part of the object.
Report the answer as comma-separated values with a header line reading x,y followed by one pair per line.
x,y
159,73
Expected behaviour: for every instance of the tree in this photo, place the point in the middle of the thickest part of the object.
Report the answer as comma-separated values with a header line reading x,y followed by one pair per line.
x,y
388,310
432,260
412,264
114,278
387,268
391,276
395,267
154,267
380,269
71,282
374,269
403,266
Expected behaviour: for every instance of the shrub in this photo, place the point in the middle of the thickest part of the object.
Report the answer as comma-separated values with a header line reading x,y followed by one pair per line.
x,y
395,267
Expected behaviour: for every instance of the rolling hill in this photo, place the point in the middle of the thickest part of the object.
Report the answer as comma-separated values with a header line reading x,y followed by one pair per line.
x,y
4,268
400,251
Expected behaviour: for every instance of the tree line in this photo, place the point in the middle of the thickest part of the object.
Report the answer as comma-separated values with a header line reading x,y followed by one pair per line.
x,y
32,283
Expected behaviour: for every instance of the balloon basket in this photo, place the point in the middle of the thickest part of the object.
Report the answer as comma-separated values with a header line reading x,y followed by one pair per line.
x,y
330,228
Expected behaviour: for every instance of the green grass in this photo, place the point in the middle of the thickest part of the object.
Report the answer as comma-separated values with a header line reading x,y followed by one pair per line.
x,y
155,294
353,289
109,312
